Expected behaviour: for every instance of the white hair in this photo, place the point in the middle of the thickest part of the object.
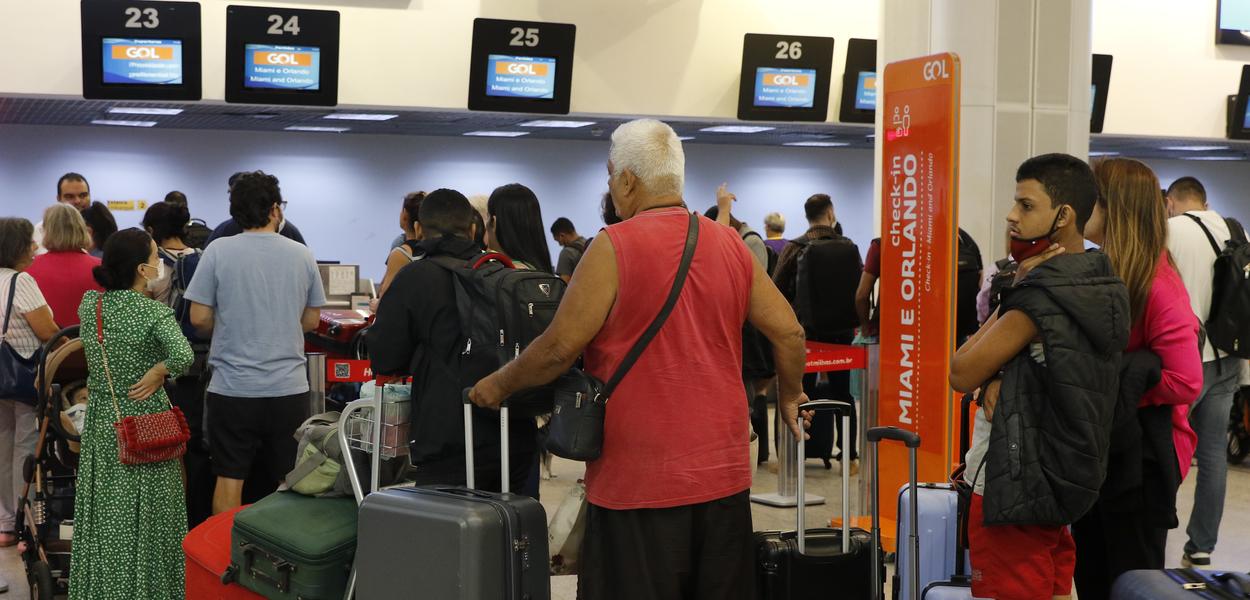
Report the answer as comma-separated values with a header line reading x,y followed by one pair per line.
x,y
479,202
651,151
775,222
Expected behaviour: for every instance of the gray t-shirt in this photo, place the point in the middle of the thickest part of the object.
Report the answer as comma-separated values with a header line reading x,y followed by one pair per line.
x,y
980,443
258,285
569,257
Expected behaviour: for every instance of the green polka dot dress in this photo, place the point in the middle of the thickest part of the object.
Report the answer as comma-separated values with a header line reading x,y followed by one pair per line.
x,y
129,520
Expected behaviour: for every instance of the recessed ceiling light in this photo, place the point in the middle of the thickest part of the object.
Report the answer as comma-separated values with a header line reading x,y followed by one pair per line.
x,y
360,116
737,129
497,133
815,144
136,110
1193,148
558,124
1096,153
124,123
685,137
1225,157
318,129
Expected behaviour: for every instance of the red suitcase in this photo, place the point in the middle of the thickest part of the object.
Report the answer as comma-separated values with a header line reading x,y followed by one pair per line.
x,y
207,548
339,333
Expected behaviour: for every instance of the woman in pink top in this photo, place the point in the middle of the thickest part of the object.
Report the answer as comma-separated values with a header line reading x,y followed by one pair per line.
x,y
64,273
1130,224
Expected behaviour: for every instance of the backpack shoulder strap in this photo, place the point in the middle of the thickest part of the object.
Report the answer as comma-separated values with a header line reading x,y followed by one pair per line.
x,y
1215,246
1236,230
752,233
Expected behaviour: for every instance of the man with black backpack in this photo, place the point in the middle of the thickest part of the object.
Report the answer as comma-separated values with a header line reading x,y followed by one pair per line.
x,y
819,273
573,246
420,332
1197,239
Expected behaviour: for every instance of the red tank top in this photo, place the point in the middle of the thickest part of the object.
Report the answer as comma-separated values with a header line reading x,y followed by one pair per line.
x,y
677,430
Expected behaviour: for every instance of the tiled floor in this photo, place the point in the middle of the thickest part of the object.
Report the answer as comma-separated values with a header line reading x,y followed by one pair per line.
x,y
1233,552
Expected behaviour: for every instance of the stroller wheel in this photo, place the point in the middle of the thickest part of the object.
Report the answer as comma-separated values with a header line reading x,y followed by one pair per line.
x,y
41,585
28,468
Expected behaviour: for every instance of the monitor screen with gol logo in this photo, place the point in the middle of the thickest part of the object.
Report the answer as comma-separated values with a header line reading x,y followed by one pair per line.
x,y
282,67
520,77
130,61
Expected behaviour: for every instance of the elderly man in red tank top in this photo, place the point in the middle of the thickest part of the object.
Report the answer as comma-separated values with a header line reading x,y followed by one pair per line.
x,y
669,512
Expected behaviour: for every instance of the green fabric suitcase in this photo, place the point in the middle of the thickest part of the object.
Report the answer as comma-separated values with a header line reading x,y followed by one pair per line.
x,y
290,546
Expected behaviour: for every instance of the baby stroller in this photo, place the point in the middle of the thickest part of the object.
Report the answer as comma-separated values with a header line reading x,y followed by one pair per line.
x,y
45,511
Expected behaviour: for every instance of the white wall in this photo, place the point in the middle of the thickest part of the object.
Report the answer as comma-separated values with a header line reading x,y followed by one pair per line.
x,y
1169,77
635,57
345,190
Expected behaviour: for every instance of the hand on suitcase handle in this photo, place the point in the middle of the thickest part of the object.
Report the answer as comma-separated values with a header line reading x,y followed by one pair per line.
x,y
911,439
487,393
839,407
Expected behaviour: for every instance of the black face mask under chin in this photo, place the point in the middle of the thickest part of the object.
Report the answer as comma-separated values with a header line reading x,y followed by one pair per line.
x,y
1025,248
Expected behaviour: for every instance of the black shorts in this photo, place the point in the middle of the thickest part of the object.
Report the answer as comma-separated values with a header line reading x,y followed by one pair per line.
x,y
249,435
698,552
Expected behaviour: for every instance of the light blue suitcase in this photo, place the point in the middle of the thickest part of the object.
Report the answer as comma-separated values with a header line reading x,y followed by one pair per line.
x,y
938,510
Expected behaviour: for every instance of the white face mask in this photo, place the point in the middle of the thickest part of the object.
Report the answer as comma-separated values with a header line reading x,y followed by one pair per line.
x,y
160,276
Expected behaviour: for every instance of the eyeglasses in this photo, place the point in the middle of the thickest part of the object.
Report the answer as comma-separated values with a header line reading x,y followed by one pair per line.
x,y
282,205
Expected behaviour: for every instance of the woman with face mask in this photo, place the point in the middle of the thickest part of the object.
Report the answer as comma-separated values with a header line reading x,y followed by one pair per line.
x,y
1129,223
64,272
129,519
167,224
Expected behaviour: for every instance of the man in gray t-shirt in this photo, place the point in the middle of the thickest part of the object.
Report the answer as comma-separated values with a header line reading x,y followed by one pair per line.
x,y
256,294
574,246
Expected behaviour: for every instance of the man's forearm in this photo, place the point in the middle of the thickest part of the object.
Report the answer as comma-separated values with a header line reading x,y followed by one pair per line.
x,y
790,356
539,364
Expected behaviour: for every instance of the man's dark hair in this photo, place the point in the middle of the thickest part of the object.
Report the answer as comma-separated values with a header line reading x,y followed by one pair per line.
x,y
16,235
176,197
252,196
71,176
166,220
100,219
563,225
235,177
518,221
412,207
816,206
1187,186
446,213
1066,179
123,254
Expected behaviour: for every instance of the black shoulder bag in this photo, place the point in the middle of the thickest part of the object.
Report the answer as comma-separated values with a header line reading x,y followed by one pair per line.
x,y
581,401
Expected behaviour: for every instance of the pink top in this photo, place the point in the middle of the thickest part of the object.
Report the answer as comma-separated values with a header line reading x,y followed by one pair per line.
x,y
1169,328
64,277
676,431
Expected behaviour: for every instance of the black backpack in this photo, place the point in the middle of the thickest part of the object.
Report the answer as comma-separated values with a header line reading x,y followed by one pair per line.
x,y
968,284
827,276
771,267
197,233
181,270
501,311
1228,323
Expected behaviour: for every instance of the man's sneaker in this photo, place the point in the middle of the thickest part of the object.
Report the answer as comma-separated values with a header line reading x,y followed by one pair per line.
x,y
1197,559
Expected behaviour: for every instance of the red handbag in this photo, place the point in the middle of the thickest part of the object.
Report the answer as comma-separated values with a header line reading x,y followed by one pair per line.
x,y
141,439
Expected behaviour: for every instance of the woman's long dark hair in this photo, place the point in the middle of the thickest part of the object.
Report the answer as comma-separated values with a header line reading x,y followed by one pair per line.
x,y
123,253
102,223
519,230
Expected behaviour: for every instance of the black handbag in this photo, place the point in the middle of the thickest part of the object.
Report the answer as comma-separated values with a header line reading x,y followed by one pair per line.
x,y
17,374
581,400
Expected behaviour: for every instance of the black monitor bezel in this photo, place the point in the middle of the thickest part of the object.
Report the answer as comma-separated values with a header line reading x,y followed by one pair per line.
x,y
492,36
1100,77
103,19
249,25
861,55
758,50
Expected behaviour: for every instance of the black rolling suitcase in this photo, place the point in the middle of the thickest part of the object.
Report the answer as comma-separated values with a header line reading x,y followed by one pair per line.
x,y
453,543
1181,584
809,564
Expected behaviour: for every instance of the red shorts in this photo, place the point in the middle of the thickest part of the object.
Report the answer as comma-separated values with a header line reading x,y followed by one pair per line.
x,y
1019,562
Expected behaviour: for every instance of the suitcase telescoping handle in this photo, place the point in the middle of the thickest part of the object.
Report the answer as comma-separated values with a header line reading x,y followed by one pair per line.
x,y
844,409
912,441
470,480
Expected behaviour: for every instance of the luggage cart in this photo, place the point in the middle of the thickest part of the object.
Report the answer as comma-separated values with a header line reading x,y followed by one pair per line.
x,y
359,430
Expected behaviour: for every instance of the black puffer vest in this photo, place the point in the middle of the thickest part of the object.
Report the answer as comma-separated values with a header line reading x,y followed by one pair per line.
x,y
1052,427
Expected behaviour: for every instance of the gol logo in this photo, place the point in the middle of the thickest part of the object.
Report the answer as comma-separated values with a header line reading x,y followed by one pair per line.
x,y
520,68
785,79
870,83
143,53
299,59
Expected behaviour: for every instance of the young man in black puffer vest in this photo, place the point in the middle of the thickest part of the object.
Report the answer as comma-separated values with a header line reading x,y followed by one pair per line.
x,y
1047,363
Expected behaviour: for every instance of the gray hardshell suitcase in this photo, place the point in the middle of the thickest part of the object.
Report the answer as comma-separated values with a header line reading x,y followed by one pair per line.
x,y
453,543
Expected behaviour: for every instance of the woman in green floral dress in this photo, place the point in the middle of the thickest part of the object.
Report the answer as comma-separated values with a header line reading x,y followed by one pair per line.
x,y
129,519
